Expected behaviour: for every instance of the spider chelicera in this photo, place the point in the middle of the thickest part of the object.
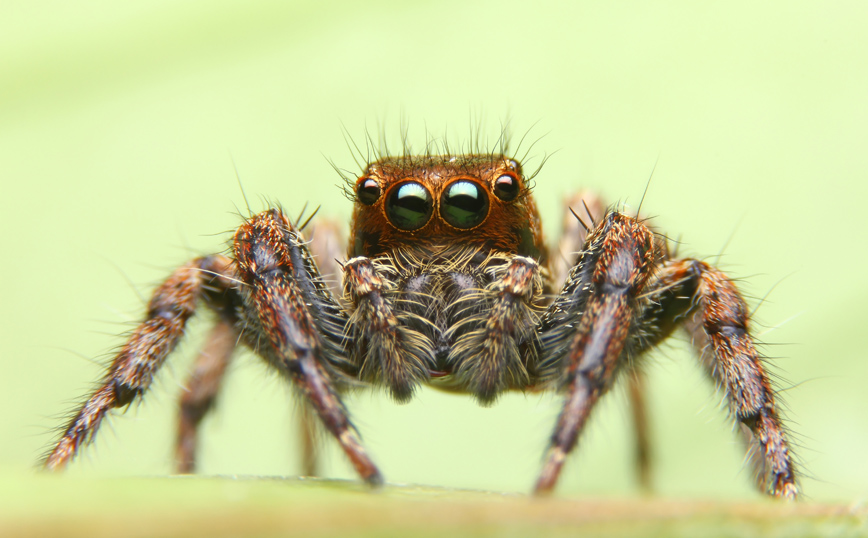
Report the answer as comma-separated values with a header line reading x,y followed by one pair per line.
x,y
448,282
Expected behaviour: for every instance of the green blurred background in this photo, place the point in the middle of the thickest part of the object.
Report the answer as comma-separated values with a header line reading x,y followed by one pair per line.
x,y
120,122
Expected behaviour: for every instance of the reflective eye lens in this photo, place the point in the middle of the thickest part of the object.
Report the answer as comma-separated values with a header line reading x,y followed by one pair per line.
x,y
464,204
368,191
409,206
506,188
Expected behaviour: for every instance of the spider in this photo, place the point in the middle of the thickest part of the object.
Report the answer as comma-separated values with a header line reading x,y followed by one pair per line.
x,y
448,282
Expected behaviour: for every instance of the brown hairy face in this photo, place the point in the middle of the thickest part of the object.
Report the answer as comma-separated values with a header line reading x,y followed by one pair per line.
x,y
474,200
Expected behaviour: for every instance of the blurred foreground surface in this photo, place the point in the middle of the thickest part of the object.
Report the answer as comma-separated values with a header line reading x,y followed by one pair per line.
x,y
230,506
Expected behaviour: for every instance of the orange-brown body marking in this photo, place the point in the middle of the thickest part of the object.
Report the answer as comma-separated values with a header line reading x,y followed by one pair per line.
x,y
513,226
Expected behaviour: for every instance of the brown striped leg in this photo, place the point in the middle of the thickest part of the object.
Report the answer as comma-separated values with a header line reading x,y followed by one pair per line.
x,y
132,370
586,329
200,391
489,358
589,207
711,308
295,324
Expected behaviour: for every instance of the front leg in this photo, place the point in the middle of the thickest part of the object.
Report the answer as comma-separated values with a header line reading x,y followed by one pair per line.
x,y
586,330
581,212
295,324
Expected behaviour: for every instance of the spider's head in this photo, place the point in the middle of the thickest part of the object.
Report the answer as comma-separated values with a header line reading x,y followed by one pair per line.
x,y
445,200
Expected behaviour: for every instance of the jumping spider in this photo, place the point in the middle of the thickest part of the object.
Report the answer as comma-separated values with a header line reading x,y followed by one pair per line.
x,y
448,282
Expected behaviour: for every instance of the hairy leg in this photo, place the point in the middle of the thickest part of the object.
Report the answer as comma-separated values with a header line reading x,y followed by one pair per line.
x,y
293,321
202,387
586,329
130,373
707,303
582,212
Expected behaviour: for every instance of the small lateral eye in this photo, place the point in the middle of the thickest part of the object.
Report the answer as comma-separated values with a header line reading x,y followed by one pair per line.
x,y
506,187
409,206
368,191
464,205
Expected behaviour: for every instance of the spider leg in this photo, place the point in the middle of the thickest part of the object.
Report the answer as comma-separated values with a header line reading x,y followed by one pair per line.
x,y
585,331
582,211
202,387
704,300
295,324
200,391
130,373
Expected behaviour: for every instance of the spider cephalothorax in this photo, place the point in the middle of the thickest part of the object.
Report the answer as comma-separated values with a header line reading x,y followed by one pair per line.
x,y
448,282
441,235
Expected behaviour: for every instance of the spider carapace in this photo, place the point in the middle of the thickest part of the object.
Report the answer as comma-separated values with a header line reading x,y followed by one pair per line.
x,y
448,281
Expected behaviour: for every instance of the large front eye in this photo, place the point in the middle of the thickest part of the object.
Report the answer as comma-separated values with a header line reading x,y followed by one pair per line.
x,y
464,204
409,206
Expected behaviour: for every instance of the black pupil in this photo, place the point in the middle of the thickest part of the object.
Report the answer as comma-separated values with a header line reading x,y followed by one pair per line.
x,y
368,191
506,188
409,206
464,204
